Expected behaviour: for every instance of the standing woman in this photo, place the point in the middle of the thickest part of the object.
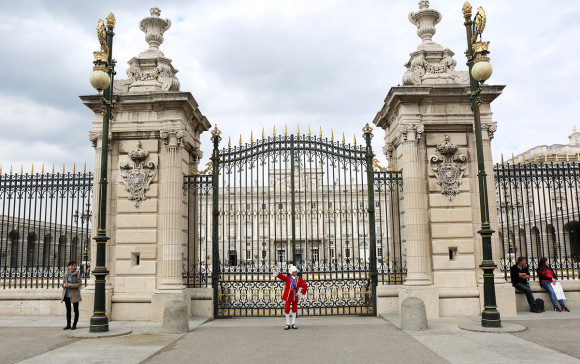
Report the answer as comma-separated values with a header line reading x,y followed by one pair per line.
x,y
547,280
71,293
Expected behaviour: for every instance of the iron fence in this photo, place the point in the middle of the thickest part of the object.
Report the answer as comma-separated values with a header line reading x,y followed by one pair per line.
x,y
539,215
44,224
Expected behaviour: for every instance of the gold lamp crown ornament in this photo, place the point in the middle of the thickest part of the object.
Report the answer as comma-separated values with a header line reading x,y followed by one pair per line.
x,y
100,78
482,69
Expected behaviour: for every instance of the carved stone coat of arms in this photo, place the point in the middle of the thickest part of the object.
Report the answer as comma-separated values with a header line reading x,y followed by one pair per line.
x,y
448,167
138,177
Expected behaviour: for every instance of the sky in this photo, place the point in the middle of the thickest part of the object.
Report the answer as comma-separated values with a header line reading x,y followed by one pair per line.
x,y
253,64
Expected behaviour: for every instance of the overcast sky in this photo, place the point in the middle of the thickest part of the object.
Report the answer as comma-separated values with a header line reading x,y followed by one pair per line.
x,y
258,63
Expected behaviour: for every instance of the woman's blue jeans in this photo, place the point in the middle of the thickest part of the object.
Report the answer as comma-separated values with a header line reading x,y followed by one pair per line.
x,y
548,287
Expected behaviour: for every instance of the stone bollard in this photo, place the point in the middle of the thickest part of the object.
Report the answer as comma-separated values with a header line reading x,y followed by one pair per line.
x,y
175,320
413,315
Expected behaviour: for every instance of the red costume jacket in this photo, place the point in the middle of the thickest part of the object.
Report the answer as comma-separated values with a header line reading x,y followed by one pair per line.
x,y
289,293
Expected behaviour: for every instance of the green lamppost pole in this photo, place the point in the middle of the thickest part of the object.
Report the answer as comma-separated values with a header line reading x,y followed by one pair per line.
x,y
479,71
102,80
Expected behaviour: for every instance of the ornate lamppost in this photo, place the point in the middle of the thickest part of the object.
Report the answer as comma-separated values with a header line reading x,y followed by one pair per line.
x,y
479,71
102,80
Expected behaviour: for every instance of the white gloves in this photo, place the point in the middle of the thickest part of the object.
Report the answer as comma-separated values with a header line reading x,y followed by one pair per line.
x,y
275,272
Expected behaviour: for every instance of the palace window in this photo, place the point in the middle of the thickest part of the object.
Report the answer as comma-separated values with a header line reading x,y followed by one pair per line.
x,y
248,255
380,252
315,255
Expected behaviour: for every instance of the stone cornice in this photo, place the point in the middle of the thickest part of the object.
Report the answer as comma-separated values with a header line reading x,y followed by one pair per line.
x,y
161,100
433,94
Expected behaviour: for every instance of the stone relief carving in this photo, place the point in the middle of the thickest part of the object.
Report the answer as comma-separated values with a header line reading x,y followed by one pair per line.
x,y
448,168
138,177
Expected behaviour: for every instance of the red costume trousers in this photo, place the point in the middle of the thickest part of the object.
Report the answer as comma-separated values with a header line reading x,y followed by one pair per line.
x,y
293,302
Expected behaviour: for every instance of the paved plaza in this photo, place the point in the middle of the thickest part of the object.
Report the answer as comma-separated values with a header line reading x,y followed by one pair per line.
x,y
551,337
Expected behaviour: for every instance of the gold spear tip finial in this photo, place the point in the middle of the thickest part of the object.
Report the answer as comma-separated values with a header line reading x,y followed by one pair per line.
x,y
320,133
467,9
545,156
309,131
274,133
251,136
556,157
32,169
0,169
343,140
567,157
53,168
513,162
331,135
229,142
111,20
21,168
85,168
502,158
263,135
63,168
285,130
240,140
298,132
74,167
355,139
42,168
524,158
578,157
535,158
10,168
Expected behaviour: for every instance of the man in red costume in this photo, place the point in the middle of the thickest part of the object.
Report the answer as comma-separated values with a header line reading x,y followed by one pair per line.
x,y
295,290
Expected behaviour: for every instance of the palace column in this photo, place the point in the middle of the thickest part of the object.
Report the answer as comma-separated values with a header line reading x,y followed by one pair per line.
x,y
171,210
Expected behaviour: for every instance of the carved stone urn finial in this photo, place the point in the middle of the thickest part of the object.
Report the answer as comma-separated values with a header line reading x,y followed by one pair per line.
x,y
154,27
425,20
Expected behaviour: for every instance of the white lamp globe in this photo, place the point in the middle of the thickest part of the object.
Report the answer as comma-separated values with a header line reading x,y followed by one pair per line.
x,y
481,70
100,80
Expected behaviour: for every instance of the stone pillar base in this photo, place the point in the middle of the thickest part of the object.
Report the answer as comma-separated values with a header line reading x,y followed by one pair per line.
x,y
161,297
505,298
428,294
202,302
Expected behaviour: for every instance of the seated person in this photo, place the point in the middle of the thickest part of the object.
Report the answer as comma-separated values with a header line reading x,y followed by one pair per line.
x,y
520,275
547,278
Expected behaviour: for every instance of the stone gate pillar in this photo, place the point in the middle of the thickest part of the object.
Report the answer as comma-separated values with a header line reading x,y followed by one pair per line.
x,y
430,138
154,142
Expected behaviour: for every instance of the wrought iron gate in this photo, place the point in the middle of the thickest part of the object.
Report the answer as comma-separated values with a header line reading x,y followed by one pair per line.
x,y
290,199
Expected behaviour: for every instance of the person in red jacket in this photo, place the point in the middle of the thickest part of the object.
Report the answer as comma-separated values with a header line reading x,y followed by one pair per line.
x,y
295,290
